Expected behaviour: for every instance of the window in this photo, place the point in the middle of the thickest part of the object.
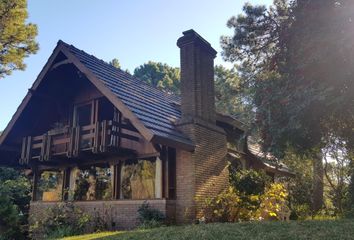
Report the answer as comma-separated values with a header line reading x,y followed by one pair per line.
x,y
141,179
83,115
50,186
171,173
91,183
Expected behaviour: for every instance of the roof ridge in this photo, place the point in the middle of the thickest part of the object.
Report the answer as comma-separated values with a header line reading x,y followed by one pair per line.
x,y
170,96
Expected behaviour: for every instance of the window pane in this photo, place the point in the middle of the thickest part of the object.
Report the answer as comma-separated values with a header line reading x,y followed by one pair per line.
x,y
92,183
50,186
83,115
138,179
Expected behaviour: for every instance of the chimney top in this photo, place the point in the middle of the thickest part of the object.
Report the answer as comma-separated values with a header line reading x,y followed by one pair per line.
x,y
191,36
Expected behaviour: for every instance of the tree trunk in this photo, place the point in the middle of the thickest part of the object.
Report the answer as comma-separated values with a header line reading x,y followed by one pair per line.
x,y
317,195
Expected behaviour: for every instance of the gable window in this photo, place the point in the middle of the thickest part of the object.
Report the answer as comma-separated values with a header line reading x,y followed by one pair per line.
x,y
83,114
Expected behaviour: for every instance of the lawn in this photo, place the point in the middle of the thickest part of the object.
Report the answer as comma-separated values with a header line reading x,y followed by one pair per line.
x,y
336,229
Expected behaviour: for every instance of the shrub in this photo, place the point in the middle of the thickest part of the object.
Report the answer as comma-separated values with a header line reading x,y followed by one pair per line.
x,y
248,182
9,219
274,203
230,206
234,206
150,217
63,219
14,203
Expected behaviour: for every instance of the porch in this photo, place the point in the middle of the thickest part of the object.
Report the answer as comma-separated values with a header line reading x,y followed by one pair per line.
x,y
107,136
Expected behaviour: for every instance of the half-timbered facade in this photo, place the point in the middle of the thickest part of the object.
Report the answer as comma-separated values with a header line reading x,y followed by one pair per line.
x,y
95,135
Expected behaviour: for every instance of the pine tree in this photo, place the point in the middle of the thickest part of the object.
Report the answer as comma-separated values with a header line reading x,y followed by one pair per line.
x,y
17,38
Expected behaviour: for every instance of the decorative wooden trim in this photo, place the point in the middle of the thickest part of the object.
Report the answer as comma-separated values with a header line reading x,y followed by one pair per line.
x,y
109,94
56,65
23,151
35,182
176,144
116,182
66,184
29,95
29,149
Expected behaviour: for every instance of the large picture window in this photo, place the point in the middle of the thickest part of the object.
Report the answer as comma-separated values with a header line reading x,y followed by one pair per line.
x,y
91,183
50,186
150,178
141,179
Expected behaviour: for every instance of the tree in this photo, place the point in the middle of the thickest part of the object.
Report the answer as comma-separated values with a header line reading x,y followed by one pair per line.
x,y
159,75
14,203
337,173
297,59
17,38
115,63
230,97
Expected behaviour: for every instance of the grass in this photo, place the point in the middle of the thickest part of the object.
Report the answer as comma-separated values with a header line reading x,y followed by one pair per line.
x,y
323,230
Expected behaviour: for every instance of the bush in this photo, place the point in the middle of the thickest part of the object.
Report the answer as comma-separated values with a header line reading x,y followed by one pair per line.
x,y
150,217
14,204
235,206
230,206
9,219
248,182
274,203
63,219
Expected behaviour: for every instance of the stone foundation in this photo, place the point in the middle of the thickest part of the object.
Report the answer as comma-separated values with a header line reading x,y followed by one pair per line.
x,y
118,215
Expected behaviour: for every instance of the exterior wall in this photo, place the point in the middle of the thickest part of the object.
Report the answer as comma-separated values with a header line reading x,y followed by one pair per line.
x,y
120,214
200,174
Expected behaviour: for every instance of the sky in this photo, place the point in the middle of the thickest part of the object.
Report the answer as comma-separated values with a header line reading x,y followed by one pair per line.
x,y
133,31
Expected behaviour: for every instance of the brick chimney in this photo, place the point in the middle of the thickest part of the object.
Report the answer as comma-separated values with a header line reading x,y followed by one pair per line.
x,y
202,173
197,78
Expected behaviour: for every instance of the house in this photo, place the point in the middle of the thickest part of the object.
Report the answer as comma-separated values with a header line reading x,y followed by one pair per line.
x,y
97,136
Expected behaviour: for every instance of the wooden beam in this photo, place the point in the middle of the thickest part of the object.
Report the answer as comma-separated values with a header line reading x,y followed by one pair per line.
x,y
110,95
29,96
116,181
66,184
35,182
58,64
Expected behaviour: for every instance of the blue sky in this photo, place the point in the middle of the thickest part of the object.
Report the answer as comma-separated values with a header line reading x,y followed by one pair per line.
x,y
133,31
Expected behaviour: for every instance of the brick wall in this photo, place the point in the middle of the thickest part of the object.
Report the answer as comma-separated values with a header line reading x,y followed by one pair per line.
x,y
121,214
200,174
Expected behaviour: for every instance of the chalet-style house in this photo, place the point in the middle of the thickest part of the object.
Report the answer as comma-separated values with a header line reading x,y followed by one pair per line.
x,y
95,135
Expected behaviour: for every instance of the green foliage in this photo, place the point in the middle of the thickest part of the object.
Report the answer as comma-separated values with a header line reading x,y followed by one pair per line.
x,y
14,203
349,201
150,217
17,38
287,54
296,64
63,219
230,97
115,63
300,186
160,76
233,205
248,182
274,202
270,230
10,221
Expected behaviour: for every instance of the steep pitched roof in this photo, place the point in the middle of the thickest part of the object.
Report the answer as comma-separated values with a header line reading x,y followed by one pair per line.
x,y
151,111
153,107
